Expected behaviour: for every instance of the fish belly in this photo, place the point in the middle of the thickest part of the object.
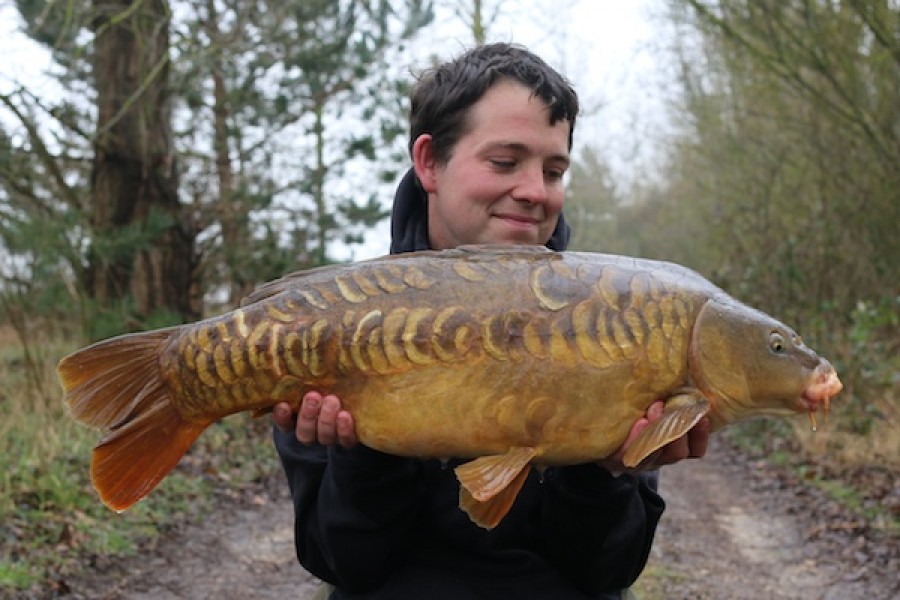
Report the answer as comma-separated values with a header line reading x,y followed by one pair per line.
x,y
567,414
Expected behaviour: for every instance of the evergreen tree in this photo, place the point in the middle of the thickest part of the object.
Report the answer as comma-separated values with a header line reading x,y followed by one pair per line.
x,y
105,163
199,145
305,108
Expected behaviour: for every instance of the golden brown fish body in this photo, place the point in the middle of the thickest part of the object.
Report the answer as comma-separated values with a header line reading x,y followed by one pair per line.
x,y
514,355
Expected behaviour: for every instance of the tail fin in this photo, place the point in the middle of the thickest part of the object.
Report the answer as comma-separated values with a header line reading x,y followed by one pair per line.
x,y
116,385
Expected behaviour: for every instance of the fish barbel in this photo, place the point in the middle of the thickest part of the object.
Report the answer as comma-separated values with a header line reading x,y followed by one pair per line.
x,y
511,356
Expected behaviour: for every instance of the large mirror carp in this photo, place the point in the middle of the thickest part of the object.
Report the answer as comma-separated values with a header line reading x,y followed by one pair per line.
x,y
511,356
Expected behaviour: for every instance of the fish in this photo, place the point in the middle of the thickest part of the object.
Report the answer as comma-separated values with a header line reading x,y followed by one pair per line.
x,y
510,357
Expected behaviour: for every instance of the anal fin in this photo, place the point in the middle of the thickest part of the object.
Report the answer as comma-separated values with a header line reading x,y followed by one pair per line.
x,y
485,477
489,513
682,412
490,484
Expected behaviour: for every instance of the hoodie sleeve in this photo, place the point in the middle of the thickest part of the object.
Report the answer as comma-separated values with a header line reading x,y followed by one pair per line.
x,y
600,528
354,509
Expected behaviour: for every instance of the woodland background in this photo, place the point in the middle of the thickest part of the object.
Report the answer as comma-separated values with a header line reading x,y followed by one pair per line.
x,y
196,149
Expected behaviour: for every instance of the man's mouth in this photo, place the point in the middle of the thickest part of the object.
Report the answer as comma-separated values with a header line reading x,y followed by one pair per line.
x,y
518,221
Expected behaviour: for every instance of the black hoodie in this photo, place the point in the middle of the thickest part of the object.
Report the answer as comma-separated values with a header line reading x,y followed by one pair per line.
x,y
379,526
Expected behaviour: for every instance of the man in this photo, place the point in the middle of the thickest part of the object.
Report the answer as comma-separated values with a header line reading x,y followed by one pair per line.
x,y
490,137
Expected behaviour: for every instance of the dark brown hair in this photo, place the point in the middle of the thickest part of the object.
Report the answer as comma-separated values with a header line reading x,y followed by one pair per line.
x,y
443,95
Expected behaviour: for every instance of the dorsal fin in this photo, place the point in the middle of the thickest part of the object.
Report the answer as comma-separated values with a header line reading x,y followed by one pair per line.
x,y
290,280
476,252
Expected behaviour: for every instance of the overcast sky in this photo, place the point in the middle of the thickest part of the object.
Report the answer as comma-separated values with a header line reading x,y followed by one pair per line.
x,y
608,48
611,51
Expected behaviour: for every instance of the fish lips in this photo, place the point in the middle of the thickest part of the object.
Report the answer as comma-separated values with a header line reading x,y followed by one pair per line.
x,y
824,385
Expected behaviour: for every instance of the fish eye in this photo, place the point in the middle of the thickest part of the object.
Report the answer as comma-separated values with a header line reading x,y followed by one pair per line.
x,y
776,342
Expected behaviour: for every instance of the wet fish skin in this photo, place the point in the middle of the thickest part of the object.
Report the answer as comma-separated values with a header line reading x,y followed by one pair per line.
x,y
410,339
508,355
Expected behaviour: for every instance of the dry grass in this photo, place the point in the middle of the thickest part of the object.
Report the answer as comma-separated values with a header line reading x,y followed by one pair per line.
x,y
837,439
50,518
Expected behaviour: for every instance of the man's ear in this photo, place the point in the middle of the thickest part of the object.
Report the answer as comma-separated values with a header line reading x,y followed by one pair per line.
x,y
423,162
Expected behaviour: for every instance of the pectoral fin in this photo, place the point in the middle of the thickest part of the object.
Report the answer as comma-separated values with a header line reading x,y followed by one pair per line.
x,y
489,485
681,414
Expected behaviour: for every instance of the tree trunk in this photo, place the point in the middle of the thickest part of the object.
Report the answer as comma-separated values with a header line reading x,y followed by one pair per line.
x,y
134,180
233,213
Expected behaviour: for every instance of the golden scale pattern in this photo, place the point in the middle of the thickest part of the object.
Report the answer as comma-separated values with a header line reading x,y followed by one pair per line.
x,y
575,314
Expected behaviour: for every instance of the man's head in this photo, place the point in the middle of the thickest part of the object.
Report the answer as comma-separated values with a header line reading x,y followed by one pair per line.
x,y
491,135
443,96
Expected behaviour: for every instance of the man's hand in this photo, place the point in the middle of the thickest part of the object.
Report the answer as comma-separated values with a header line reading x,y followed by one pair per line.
x,y
691,445
320,419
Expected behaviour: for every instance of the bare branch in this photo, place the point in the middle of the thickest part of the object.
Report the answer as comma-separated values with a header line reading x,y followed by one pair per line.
x,y
46,157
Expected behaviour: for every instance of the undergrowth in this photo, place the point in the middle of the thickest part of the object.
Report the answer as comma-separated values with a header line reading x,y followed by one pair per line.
x,y
51,521
855,471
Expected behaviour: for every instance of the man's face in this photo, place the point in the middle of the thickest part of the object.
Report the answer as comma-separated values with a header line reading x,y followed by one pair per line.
x,y
503,182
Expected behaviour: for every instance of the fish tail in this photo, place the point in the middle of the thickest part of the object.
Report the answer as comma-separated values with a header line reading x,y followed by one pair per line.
x,y
117,385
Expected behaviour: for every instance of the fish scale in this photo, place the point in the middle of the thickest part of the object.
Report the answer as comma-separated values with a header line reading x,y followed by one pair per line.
x,y
407,338
509,356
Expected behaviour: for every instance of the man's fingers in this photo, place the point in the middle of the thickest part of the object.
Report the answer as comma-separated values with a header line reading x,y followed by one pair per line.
x,y
698,438
283,416
346,431
675,451
308,417
655,410
636,429
321,419
327,425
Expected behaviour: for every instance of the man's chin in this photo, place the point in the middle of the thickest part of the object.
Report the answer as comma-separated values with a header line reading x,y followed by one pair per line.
x,y
518,235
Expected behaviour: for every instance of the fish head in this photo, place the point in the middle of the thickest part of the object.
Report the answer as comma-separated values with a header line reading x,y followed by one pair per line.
x,y
748,363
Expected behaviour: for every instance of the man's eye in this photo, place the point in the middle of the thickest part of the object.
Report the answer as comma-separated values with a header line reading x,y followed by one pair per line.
x,y
554,174
503,164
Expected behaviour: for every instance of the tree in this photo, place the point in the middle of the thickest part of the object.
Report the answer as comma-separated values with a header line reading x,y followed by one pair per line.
x,y
593,205
791,121
105,179
134,177
842,57
472,14
787,158
272,102
298,96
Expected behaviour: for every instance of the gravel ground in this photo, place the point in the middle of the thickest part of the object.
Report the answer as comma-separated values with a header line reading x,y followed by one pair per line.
x,y
735,528
740,528
244,550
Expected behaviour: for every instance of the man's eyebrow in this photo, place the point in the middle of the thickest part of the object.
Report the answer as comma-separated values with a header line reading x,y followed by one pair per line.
x,y
520,147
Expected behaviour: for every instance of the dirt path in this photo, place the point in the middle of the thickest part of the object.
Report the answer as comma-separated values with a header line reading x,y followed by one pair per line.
x,y
735,529
741,529
244,550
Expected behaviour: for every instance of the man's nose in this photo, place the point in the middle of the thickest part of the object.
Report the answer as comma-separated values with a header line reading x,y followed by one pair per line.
x,y
531,185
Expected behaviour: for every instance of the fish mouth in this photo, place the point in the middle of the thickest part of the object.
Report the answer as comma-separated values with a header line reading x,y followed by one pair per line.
x,y
825,384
